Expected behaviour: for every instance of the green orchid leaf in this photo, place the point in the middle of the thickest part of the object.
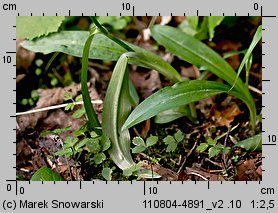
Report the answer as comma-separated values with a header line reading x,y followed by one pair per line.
x,y
93,121
72,43
194,51
117,107
251,144
173,114
171,97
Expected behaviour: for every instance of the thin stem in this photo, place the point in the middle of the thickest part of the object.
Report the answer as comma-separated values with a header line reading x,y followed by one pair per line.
x,y
51,60
109,35
56,107
92,117
152,21
193,112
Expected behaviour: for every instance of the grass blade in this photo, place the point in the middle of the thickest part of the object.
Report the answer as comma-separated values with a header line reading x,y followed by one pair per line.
x,y
172,97
257,37
92,117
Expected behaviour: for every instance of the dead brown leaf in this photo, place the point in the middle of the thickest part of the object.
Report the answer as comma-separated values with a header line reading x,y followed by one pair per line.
x,y
197,174
228,46
146,83
190,72
166,174
24,58
246,171
50,97
205,106
60,119
226,116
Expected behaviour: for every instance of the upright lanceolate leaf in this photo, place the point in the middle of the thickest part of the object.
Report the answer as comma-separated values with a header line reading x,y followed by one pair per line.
x,y
111,121
193,51
117,106
172,97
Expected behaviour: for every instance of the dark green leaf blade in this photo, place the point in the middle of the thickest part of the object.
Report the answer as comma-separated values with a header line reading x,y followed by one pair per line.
x,y
193,51
171,97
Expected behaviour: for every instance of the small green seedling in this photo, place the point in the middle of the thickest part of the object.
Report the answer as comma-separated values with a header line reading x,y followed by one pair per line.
x,y
172,142
214,148
133,170
141,145
107,173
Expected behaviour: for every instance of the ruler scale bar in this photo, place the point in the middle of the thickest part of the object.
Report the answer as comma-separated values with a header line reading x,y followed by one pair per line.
x,y
139,196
